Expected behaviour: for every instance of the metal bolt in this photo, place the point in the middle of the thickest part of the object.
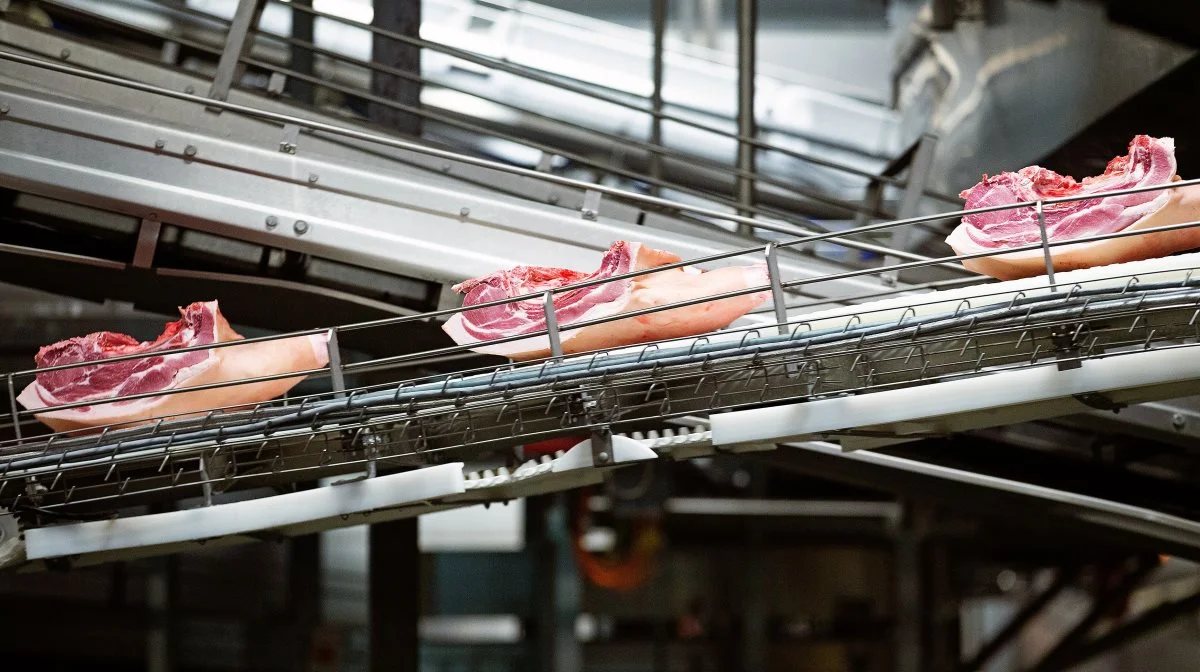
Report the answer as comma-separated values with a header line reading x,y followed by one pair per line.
x,y
3,109
445,167
272,221
160,143
603,457
312,178
65,53
1178,421
589,214
300,227
465,212
190,150
189,89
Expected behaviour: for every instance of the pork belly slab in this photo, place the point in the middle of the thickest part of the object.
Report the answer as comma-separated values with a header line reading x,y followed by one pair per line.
x,y
656,288
1150,162
201,323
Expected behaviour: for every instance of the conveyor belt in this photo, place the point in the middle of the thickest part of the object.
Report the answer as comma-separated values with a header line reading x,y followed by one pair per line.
x,y
1064,335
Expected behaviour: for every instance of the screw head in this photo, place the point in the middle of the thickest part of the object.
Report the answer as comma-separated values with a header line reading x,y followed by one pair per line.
x,y
272,221
300,227
312,178
589,214
3,109
603,457
1178,421
465,212
160,143
65,53
190,150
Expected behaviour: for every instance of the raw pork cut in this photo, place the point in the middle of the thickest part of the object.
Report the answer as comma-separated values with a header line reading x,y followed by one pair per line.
x,y
1150,161
201,323
598,301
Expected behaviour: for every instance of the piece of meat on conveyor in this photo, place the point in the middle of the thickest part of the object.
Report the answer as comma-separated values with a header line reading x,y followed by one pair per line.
x,y
201,323
1150,162
476,327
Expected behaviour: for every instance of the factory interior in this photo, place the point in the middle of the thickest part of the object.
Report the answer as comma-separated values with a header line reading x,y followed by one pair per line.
x,y
897,400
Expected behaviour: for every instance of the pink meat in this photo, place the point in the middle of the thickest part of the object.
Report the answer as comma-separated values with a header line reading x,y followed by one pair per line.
x,y
1150,162
603,300
201,323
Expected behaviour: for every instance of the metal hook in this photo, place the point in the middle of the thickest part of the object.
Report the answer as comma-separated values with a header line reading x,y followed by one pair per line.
x,y
964,302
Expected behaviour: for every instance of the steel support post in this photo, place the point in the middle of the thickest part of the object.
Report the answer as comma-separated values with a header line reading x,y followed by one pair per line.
x,y
658,18
403,17
747,30
237,43
302,59
914,189
394,596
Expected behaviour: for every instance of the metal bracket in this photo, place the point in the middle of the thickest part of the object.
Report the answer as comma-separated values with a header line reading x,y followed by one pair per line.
x,y
276,83
591,205
291,136
1099,402
337,377
147,241
602,446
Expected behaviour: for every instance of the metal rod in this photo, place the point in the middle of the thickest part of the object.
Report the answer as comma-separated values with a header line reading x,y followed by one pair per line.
x,y
777,297
1018,622
556,351
658,11
747,29
1127,632
236,46
1041,217
12,400
1100,607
